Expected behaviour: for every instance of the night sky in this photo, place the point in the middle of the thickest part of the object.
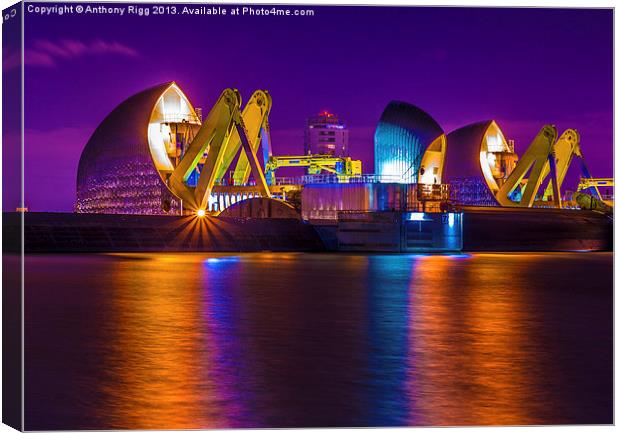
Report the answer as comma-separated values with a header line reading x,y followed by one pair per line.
x,y
521,67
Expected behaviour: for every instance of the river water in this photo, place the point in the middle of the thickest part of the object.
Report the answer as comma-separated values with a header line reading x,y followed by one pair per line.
x,y
170,341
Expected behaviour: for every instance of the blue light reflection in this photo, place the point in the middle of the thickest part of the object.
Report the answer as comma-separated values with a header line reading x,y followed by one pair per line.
x,y
222,260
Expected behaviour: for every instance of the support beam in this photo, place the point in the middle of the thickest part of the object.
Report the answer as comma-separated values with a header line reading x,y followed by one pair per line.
x,y
255,122
257,171
555,183
225,131
212,138
536,159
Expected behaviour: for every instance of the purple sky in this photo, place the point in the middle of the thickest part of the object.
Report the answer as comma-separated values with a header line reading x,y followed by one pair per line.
x,y
522,67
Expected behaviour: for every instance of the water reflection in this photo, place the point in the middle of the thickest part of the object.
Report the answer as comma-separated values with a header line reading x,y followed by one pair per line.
x,y
387,315
287,349
468,346
160,354
175,341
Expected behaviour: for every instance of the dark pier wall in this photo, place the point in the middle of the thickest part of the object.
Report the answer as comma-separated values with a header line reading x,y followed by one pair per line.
x,y
503,229
65,232
484,229
493,229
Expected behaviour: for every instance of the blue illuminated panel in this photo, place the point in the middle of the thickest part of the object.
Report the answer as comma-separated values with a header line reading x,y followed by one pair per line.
x,y
402,135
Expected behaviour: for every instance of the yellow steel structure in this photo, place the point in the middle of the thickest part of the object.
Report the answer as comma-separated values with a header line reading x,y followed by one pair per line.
x,y
596,183
344,167
254,115
223,133
547,155
564,149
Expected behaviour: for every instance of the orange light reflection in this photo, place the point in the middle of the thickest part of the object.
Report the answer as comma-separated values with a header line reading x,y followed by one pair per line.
x,y
468,345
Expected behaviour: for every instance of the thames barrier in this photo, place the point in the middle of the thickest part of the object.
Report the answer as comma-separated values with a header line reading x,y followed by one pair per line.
x,y
157,176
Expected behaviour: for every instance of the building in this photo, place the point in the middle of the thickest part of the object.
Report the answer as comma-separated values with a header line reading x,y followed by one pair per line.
x,y
326,134
124,166
409,145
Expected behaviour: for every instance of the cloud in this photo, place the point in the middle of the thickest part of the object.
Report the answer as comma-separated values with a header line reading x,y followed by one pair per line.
x,y
45,53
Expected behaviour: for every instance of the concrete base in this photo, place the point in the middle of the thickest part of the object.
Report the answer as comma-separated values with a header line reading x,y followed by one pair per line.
x,y
508,229
483,229
64,232
399,232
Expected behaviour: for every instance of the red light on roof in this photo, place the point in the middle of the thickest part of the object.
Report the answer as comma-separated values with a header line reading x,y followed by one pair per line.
x,y
326,114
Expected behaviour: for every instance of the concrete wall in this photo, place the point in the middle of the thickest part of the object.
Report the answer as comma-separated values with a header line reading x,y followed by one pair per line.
x,y
260,207
64,232
502,229
484,229
399,232
376,231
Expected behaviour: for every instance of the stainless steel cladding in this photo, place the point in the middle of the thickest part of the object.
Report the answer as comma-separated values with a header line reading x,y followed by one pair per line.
x,y
121,167
323,201
116,173
478,161
403,134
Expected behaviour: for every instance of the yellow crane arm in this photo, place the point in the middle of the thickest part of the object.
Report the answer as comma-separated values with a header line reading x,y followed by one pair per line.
x,y
221,135
535,157
546,156
212,137
564,149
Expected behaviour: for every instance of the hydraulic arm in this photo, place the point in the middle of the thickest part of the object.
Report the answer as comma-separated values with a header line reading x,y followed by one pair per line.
x,y
223,133
546,156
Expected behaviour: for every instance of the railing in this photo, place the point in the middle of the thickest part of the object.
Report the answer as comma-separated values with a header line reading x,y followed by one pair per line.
x,y
420,192
336,178
180,118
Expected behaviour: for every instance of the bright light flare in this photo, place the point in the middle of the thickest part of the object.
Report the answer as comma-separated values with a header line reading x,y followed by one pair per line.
x,y
200,213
